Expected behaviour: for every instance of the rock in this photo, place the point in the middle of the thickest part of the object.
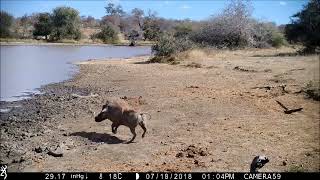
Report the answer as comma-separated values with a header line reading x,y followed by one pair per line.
x,y
38,150
20,160
284,163
179,155
293,89
203,153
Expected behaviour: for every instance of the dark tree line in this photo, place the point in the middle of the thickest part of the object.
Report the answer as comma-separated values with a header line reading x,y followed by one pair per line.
x,y
305,27
233,28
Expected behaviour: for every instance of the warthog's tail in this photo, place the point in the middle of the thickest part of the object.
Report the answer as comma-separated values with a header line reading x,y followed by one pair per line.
x,y
144,114
143,124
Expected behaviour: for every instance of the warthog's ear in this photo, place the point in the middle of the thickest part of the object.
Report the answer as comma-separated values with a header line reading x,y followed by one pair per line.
x,y
106,104
104,108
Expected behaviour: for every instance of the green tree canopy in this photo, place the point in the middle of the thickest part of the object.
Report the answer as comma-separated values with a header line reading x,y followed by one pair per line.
x,y
151,27
43,26
111,9
305,26
66,22
6,21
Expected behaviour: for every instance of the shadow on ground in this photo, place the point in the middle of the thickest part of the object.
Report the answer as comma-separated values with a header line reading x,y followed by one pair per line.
x,y
279,55
142,62
98,137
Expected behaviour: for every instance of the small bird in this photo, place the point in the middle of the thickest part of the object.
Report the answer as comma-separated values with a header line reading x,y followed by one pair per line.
x,y
258,162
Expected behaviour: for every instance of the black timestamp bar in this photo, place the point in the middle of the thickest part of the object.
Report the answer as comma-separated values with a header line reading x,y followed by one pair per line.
x,y
158,175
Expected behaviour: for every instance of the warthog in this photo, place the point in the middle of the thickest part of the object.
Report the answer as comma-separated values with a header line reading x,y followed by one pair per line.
x,y
120,113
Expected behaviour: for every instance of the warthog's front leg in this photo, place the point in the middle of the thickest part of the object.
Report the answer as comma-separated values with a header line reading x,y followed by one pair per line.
x,y
133,131
114,127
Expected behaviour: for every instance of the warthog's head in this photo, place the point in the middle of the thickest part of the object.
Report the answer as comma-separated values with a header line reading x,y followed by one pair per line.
x,y
104,114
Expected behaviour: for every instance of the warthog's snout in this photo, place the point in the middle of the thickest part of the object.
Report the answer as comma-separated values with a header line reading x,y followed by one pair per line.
x,y
99,118
102,115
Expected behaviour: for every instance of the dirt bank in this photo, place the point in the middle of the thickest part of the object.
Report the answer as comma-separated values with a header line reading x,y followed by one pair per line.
x,y
213,112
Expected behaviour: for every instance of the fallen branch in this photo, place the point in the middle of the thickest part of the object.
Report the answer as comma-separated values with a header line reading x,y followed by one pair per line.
x,y
262,87
283,106
288,111
54,154
292,110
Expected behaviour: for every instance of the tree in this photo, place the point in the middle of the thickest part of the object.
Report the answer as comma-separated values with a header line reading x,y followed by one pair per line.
x,y
6,21
305,26
66,23
112,10
25,25
230,29
151,27
89,21
113,17
137,15
43,26
133,37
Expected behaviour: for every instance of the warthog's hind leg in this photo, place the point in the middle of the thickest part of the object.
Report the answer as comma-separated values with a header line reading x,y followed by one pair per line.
x,y
143,126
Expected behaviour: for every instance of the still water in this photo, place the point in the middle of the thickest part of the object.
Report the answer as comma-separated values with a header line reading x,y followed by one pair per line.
x,y
26,68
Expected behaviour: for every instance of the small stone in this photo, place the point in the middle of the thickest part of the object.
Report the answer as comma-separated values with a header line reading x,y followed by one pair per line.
x,y
284,163
308,154
38,150
190,155
179,155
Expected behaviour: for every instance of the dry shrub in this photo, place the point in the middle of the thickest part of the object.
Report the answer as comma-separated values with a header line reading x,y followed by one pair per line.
x,y
235,28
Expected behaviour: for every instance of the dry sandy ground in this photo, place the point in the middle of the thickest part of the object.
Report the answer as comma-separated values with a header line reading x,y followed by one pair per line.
x,y
213,118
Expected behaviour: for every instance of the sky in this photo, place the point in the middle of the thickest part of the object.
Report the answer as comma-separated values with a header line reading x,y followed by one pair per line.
x,y
278,11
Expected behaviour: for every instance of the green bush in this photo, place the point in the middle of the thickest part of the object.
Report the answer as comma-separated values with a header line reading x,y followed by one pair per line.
x,y
168,46
182,30
278,39
266,34
107,35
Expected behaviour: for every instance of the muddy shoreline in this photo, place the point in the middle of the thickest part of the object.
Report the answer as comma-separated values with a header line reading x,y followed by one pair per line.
x,y
33,117
209,118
